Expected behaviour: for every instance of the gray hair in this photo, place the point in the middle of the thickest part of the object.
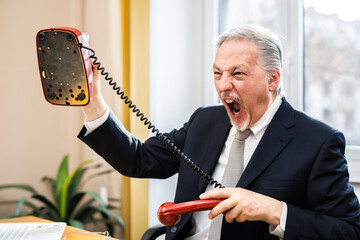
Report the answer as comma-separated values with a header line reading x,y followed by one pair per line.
x,y
269,47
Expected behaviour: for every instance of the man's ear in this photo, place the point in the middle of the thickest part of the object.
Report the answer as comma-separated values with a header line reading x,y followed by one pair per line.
x,y
273,80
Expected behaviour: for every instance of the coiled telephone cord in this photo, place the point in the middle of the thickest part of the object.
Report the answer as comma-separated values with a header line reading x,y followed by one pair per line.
x,y
163,139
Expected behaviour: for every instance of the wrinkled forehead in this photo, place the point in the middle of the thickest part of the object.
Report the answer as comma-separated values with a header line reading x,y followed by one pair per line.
x,y
233,53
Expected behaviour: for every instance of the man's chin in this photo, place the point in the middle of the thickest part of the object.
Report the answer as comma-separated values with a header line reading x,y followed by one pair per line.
x,y
240,126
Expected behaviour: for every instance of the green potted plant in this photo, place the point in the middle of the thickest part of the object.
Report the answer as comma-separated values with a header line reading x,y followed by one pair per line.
x,y
71,205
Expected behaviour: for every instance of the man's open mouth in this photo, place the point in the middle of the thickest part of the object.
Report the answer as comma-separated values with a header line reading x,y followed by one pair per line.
x,y
233,105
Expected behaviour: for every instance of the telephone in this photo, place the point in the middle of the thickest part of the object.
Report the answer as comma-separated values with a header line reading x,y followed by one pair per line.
x,y
170,213
66,75
65,67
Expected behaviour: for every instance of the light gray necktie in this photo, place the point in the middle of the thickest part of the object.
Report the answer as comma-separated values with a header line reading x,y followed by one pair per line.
x,y
233,171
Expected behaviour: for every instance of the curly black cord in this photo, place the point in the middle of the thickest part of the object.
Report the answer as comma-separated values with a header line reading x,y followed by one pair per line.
x,y
163,139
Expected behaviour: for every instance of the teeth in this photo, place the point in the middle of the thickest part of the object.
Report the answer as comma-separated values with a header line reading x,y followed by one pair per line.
x,y
229,101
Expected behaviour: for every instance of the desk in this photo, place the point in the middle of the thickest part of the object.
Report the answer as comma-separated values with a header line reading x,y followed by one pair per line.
x,y
74,236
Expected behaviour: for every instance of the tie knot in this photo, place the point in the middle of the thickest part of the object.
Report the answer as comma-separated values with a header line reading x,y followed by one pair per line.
x,y
241,136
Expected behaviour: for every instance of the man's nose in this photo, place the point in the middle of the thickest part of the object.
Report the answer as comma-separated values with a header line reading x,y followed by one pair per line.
x,y
225,83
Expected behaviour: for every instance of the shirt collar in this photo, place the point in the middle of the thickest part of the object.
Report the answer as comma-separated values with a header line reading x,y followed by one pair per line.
x,y
260,126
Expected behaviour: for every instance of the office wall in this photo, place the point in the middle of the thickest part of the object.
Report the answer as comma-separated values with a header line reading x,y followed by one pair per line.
x,y
182,37
34,135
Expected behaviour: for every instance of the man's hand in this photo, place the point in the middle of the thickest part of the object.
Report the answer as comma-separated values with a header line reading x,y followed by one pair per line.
x,y
244,205
97,106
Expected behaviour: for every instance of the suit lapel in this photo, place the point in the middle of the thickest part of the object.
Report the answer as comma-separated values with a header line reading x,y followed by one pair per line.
x,y
216,143
275,138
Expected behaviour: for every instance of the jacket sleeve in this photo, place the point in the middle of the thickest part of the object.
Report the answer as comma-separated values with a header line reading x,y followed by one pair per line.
x,y
332,210
131,157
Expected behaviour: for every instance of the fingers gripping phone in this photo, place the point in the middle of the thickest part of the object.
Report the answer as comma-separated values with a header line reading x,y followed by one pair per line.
x,y
64,60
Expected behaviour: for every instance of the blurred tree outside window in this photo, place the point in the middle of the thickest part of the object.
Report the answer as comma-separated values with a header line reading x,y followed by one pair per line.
x,y
332,64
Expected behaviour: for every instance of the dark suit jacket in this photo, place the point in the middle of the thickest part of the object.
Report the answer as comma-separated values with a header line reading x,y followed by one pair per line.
x,y
299,160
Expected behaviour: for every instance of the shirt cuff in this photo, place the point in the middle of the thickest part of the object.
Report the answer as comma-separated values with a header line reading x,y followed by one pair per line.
x,y
91,126
280,229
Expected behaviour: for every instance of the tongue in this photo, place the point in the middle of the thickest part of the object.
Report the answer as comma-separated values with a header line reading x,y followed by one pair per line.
x,y
236,106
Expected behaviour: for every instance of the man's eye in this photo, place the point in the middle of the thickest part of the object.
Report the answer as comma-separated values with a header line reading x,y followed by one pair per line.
x,y
217,73
239,73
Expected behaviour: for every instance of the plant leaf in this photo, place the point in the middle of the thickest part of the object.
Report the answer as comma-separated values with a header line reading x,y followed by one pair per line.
x,y
74,201
44,200
73,188
61,178
12,215
106,220
97,197
65,187
49,213
20,204
19,186
85,215
76,223
108,212
50,180
52,183
81,213
105,172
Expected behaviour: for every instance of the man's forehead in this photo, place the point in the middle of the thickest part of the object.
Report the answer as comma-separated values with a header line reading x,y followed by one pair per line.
x,y
236,54
233,67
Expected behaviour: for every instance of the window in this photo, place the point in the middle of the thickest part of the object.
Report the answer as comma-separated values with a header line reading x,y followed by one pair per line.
x,y
332,64
235,12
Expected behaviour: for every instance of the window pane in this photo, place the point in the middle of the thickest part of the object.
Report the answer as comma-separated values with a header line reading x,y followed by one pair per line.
x,y
332,64
235,12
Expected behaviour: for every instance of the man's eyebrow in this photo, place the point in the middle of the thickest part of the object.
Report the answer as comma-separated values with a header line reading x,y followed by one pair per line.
x,y
215,67
239,66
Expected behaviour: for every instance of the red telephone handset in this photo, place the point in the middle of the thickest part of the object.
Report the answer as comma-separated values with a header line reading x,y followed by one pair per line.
x,y
170,213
